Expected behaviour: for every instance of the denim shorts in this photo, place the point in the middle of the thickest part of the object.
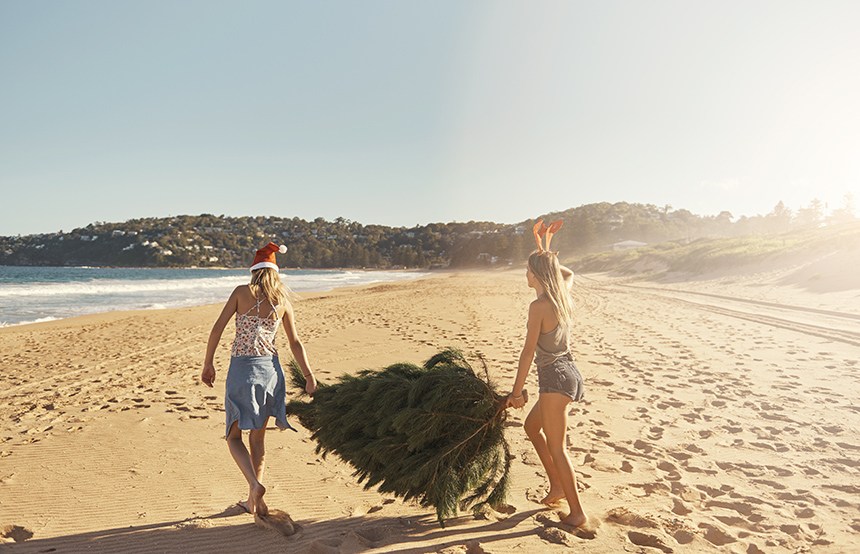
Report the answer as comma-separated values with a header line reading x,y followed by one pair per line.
x,y
561,376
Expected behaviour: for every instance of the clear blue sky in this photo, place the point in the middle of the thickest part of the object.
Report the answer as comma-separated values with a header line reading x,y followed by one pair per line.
x,y
411,112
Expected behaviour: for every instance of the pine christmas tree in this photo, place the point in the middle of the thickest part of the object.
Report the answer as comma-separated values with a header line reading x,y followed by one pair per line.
x,y
431,433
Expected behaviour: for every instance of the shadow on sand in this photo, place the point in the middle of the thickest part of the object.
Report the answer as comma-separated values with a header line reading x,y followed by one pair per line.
x,y
220,533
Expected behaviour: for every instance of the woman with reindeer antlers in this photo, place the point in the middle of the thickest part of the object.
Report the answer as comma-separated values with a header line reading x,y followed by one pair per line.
x,y
548,343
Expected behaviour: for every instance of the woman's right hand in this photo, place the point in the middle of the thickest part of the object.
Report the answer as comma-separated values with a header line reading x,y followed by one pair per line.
x,y
515,401
208,375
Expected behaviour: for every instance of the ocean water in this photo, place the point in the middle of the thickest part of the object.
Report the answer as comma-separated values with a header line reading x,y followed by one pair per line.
x,y
34,294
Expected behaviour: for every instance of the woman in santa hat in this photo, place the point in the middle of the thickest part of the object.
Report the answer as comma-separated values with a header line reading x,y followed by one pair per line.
x,y
255,385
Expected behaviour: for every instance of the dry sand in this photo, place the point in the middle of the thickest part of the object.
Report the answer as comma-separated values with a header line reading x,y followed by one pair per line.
x,y
721,415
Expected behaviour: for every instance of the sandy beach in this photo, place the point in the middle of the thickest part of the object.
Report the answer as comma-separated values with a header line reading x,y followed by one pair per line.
x,y
721,415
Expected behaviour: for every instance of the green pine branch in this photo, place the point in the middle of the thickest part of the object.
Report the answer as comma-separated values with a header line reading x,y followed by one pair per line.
x,y
432,433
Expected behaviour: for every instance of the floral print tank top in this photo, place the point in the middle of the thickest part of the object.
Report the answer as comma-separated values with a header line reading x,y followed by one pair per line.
x,y
255,335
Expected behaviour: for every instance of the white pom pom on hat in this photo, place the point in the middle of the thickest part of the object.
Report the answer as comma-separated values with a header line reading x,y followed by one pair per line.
x,y
265,256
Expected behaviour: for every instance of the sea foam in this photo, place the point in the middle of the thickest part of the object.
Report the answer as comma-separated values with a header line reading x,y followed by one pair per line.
x,y
29,295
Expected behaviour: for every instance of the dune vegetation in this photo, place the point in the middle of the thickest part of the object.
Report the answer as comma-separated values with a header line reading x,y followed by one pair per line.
x,y
711,254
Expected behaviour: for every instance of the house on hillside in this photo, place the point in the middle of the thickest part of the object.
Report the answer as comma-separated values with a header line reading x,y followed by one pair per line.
x,y
628,245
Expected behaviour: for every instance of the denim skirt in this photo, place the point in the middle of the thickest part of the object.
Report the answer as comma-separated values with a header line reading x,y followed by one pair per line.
x,y
255,391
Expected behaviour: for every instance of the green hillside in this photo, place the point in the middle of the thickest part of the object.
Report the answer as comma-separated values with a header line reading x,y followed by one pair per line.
x,y
589,235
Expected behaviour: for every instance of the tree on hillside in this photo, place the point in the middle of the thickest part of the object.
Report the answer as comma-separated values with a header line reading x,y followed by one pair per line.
x,y
780,218
582,237
846,210
723,222
812,215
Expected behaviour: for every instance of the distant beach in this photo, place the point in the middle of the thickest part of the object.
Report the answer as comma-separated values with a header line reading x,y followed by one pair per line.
x,y
37,294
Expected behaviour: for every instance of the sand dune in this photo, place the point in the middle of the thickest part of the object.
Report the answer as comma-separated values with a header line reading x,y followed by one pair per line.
x,y
721,416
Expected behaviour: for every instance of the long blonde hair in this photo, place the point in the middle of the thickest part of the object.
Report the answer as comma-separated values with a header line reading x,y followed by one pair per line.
x,y
546,269
268,281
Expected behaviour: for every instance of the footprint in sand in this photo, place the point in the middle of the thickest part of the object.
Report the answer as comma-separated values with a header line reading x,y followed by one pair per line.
x,y
667,466
14,533
655,433
686,493
680,456
712,492
771,484
780,471
742,508
471,547
353,541
499,513
679,508
278,521
555,532
650,488
530,458
646,539
649,532
740,523
325,546
805,513
194,523
629,518
536,495
715,535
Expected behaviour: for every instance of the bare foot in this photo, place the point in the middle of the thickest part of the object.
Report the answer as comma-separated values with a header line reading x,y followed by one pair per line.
x,y
257,497
575,520
246,505
553,497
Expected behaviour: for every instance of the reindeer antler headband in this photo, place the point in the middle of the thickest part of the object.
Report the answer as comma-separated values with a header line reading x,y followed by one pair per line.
x,y
541,230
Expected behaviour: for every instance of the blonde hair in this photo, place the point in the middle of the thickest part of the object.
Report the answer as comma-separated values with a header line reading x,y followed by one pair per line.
x,y
545,268
268,281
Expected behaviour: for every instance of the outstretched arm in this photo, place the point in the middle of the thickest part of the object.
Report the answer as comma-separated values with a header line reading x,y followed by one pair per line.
x,y
298,349
208,375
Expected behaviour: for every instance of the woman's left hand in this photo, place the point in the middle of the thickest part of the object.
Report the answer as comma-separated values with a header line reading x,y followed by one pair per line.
x,y
310,384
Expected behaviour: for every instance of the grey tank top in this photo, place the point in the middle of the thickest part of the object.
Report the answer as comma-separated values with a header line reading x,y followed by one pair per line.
x,y
551,346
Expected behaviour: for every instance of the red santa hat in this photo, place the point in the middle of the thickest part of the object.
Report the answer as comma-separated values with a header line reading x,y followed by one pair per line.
x,y
266,256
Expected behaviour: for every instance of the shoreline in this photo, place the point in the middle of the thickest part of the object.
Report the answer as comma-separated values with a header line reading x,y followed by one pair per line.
x,y
285,276
220,268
